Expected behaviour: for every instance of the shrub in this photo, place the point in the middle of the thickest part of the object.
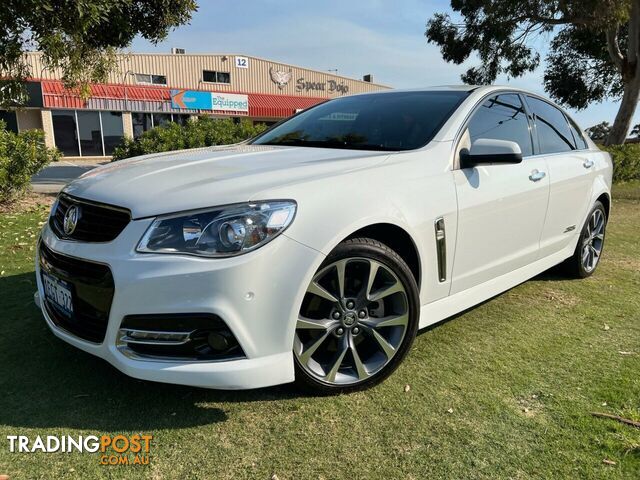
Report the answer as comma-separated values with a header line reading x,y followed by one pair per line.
x,y
21,155
204,132
626,161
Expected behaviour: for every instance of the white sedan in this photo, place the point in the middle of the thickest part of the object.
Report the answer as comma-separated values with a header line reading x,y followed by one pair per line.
x,y
316,251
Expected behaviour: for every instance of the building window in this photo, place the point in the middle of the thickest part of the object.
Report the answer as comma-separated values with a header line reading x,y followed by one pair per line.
x,y
10,120
216,77
150,79
90,135
160,119
64,132
143,121
181,118
87,133
112,130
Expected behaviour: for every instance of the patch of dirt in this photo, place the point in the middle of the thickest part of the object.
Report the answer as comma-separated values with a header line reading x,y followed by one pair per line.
x,y
560,298
529,406
624,262
30,201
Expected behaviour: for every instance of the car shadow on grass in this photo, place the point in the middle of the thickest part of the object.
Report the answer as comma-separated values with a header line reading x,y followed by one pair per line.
x,y
46,383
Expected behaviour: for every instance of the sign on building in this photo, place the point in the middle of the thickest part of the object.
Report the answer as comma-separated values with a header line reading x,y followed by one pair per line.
x,y
196,100
242,62
191,99
230,102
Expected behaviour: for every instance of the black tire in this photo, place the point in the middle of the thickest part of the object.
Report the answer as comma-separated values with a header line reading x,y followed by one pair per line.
x,y
357,249
574,265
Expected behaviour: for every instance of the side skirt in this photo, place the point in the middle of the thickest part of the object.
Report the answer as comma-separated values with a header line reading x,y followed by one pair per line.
x,y
446,307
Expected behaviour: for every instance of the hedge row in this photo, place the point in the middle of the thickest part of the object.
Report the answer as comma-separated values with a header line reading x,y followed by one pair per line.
x,y
21,155
626,161
201,133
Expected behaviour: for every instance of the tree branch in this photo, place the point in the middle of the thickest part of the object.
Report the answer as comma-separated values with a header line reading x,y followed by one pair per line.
x,y
616,417
614,48
556,21
634,32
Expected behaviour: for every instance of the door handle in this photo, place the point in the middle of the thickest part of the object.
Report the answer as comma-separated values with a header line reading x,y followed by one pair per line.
x,y
536,176
588,164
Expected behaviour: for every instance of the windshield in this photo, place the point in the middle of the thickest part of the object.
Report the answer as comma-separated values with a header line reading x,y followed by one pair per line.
x,y
390,121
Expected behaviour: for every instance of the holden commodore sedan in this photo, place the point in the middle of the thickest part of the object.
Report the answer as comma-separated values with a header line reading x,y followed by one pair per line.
x,y
316,251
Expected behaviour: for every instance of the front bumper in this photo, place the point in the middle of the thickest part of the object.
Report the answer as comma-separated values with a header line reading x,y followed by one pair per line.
x,y
258,296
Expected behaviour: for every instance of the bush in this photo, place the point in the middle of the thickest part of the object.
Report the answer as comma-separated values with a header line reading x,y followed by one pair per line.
x,y
204,132
21,155
626,161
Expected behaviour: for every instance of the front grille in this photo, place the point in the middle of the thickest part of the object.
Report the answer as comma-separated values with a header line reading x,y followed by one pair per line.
x,y
92,292
96,223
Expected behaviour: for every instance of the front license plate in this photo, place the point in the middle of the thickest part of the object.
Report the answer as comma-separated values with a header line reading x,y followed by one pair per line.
x,y
58,292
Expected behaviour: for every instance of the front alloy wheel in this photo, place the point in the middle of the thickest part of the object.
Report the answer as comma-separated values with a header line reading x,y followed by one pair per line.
x,y
358,318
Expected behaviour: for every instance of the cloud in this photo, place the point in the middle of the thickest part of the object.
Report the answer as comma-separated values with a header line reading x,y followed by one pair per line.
x,y
356,37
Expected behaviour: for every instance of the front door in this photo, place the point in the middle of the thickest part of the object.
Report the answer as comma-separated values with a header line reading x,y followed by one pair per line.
x,y
501,208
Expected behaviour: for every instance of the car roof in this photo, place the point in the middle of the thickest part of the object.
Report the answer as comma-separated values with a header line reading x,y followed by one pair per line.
x,y
451,88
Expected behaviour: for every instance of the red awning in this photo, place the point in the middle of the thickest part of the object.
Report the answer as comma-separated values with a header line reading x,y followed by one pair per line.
x,y
279,106
52,88
261,105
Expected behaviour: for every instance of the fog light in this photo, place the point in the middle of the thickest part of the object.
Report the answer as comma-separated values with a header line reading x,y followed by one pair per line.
x,y
218,341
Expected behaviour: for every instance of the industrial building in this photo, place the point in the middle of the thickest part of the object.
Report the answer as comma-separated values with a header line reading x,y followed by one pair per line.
x,y
148,90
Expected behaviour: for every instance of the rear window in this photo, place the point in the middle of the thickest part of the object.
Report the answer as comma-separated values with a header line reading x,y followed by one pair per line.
x,y
389,121
553,129
581,143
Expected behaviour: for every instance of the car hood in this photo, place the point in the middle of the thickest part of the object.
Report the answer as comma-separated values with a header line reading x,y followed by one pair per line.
x,y
175,181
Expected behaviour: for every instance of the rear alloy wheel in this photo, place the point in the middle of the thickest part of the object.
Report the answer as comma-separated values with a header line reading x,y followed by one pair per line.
x,y
358,318
590,245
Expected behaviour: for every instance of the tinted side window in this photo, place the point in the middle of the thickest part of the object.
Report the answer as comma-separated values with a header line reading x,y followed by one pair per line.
x,y
581,143
552,127
502,118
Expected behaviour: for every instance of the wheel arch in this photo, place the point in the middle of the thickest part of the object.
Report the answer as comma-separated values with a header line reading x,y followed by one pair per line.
x,y
396,238
605,199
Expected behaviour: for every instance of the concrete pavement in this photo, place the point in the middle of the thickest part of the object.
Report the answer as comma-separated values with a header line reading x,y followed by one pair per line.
x,y
52,178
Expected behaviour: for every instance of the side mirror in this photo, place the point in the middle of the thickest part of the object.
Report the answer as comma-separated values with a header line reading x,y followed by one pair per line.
x,y
488,150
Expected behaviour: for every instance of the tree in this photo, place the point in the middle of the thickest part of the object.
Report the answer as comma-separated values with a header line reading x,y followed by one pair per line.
x,y
594,53
599,132
80,37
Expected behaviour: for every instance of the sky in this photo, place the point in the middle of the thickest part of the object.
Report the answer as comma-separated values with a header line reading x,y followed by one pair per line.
x,y
356,37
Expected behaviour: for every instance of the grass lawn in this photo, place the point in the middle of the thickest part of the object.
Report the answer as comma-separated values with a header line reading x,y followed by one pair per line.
x,y
504,390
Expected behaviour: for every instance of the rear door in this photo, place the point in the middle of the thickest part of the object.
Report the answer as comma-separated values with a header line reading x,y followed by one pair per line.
x,y
570,169
501,208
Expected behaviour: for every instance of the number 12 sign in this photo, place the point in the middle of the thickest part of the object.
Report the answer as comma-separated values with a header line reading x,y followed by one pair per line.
x,y
242,62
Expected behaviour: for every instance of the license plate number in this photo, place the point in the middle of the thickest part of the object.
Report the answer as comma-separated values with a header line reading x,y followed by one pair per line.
x,y
58,292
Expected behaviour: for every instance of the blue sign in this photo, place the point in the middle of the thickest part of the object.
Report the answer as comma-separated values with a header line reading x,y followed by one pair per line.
x,y
191,99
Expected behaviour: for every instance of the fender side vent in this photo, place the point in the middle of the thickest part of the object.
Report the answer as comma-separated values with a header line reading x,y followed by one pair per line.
x,y
441,249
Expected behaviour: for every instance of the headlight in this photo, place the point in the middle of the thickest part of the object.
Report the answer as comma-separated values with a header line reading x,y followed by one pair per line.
x,y
219,232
